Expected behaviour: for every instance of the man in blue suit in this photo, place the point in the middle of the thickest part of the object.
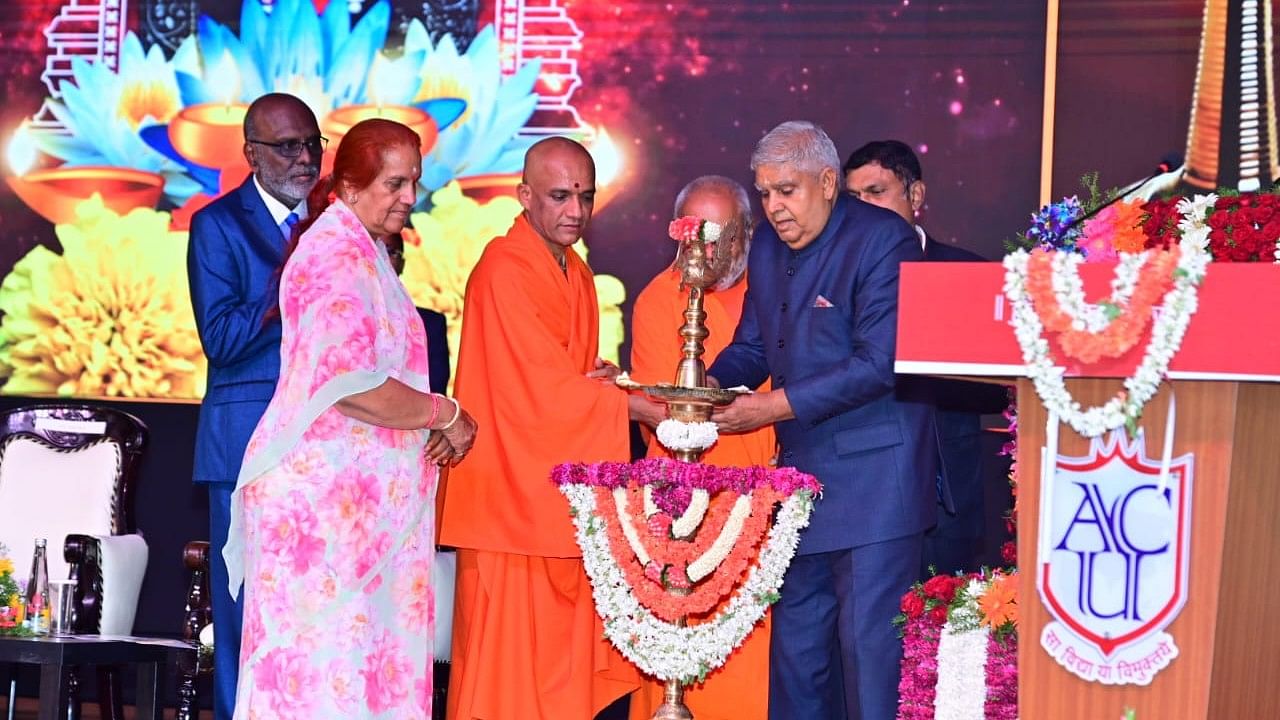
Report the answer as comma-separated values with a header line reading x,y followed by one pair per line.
x,y
237,247
820,319
887,173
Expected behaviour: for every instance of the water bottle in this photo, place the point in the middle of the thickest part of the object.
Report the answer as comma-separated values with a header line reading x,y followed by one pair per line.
x,y
37,615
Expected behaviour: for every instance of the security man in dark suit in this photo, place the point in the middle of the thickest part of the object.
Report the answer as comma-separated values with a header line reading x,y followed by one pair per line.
x,y
436,324
887,173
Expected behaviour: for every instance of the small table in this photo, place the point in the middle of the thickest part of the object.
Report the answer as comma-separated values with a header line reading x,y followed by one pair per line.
x,y
56,654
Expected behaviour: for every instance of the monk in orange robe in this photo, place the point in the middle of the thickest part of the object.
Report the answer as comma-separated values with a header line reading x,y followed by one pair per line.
x,y
527,642
740,689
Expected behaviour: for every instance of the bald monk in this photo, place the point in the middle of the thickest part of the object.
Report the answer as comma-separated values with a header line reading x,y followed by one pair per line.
x,y
740,689
527,643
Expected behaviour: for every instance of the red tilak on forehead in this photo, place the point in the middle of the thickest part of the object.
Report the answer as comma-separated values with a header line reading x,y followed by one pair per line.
x,y
577,185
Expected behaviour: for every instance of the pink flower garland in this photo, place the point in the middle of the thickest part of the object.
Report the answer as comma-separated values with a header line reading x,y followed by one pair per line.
x,y
674,481
1002,678
919,679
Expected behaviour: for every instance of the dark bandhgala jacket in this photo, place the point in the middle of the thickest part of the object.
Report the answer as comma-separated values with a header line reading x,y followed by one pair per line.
x,y
437,327
822,323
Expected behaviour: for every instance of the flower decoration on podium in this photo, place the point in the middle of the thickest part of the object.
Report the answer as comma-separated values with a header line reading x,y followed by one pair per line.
x,y
1161,250
1153,287
960,648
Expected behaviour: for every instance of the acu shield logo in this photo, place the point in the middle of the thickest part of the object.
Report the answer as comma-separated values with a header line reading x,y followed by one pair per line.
x,y
1113,558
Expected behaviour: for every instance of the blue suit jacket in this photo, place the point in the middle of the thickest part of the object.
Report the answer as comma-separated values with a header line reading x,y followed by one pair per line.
x,y
822,322
235,251
437,327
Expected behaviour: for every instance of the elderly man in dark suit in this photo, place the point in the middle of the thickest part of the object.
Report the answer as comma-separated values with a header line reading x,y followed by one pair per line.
x,y
820,319
887,173
237,247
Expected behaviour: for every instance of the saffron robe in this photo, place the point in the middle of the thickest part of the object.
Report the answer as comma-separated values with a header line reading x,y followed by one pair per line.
x,y
739,690
527,642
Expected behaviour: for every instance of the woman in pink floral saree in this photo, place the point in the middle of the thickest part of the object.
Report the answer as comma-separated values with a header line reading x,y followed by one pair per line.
x,y
333,527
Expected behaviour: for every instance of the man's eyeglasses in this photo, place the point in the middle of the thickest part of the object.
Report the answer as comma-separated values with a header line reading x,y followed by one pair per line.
x,y
293,148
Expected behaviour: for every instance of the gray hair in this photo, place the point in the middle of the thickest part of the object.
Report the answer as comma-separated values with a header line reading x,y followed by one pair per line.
x,y
717,182
746,223
799,143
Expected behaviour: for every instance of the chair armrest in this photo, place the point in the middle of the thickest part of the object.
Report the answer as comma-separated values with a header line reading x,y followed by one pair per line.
x,y
195,556
199,661
111,563
84,554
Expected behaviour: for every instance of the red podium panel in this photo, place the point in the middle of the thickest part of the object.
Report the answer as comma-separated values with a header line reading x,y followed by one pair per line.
x,y
954,320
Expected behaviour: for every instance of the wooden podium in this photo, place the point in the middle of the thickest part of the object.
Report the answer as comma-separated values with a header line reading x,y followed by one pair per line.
x,y
953,321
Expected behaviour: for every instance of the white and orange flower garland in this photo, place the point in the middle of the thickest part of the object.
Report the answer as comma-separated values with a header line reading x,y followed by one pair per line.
x,y
640,572
1176,308
1110,328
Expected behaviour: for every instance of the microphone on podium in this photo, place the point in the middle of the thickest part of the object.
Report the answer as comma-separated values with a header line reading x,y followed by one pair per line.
x,y
1170,162
1167,164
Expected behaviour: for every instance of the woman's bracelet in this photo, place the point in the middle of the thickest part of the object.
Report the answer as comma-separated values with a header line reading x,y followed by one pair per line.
x,y
457,413
435,410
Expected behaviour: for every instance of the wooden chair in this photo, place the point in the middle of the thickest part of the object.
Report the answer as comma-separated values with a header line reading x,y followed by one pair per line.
x,y
198,615
68,474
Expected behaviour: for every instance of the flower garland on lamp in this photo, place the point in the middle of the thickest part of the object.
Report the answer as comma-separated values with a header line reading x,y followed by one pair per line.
x,y
640,572
1025,288
681,435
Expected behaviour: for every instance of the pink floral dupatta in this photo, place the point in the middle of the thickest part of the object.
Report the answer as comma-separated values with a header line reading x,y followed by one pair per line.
x,y
348,326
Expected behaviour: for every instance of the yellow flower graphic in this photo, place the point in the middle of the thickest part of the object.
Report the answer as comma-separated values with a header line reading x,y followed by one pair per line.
x,y
6,566
452,237
110,316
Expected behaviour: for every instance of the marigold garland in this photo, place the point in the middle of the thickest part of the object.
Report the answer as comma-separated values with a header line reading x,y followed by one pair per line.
x,y
655,561
1129,314
683,553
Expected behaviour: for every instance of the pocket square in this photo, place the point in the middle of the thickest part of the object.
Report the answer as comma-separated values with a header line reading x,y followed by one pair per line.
x,y
822,302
